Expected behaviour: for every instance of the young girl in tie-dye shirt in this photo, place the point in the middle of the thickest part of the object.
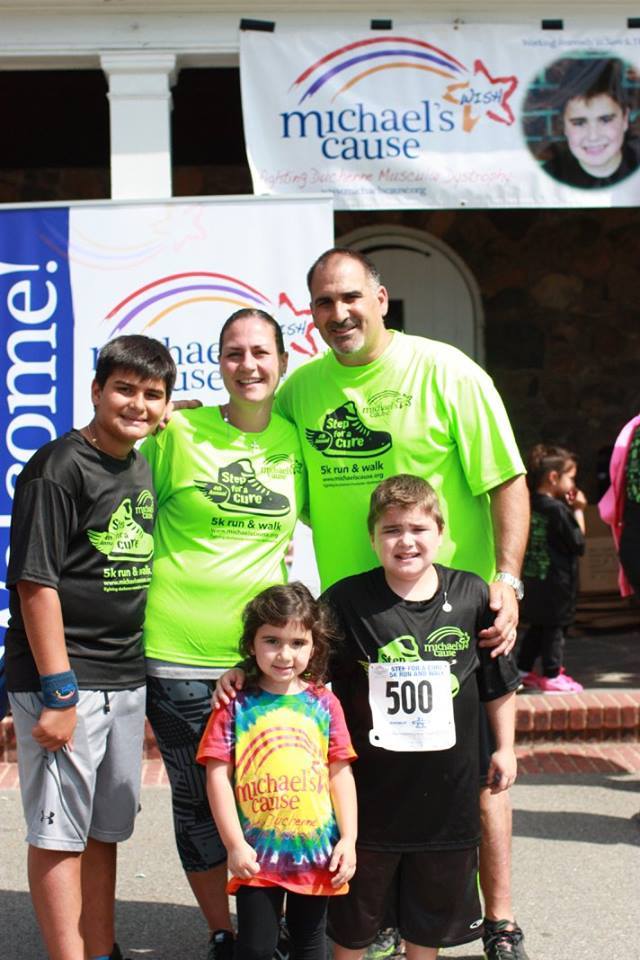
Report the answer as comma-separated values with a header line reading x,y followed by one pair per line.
x,y
279,778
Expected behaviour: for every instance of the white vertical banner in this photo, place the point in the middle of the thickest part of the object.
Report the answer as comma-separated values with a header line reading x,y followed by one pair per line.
x,y
73,277
177,270
424,116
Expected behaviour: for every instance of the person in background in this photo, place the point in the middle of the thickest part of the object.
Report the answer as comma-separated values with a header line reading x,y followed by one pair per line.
x,y
620,505
550,571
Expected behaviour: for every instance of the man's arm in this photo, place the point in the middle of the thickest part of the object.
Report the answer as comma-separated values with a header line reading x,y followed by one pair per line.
x,y
42,618
510,513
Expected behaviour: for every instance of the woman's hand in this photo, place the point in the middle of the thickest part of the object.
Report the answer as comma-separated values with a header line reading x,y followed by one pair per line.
x,y
226,686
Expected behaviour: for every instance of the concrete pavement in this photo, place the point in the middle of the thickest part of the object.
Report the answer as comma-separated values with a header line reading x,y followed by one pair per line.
x,y
576,876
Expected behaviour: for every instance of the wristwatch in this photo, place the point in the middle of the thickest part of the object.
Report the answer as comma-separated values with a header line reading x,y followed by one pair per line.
x,y
509,578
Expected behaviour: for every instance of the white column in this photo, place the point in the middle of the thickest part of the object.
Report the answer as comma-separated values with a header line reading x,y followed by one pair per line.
x,y
140,109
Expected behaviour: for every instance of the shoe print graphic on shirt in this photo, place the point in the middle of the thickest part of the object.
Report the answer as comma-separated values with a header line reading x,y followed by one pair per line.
x,y
344,434
238,490
124,539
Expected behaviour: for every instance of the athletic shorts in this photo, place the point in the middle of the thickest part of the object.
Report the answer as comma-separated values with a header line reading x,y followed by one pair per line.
x,y
178,711
92,790
434,895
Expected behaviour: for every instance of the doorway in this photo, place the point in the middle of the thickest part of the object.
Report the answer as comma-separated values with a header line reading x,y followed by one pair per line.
x,y
432,292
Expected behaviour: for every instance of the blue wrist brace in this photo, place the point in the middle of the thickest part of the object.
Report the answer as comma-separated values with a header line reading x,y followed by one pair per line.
x,y
59,690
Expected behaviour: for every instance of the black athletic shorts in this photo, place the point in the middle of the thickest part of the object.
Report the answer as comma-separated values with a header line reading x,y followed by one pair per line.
x,y
433,893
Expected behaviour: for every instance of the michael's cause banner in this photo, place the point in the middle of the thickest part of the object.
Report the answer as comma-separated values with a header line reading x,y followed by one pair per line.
x,y
445,116
72,278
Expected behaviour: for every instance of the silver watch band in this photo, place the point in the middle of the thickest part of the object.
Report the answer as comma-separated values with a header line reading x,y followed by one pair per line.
x,y
514,582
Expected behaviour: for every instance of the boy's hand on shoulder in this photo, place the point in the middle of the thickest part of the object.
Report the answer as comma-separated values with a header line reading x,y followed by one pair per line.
x,y
501,636
174,405
343,862
226,686
242,861
503,770
54,728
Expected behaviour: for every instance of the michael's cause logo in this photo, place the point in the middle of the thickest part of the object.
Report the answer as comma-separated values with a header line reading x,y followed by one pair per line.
x,y
124,539
238,490
344,434
163,298
444,642
383,403
464,95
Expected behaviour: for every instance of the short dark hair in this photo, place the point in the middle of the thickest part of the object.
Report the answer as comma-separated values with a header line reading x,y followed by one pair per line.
x,y
247,312
590,77
404,491
145,356
369,266
282,604
543,459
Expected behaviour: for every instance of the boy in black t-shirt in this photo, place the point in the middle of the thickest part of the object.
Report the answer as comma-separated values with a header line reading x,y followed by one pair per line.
x,y
408,676
80,565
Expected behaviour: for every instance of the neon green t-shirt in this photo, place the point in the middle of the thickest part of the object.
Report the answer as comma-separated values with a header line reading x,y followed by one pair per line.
x,y
227,505
424,408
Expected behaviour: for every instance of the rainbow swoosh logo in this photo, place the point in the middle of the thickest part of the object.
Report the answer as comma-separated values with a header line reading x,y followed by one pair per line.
x,y
166,295
475,89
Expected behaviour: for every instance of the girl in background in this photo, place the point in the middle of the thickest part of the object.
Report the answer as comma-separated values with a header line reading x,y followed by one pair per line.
x,y
550,574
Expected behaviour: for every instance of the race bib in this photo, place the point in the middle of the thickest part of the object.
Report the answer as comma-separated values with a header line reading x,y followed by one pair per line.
x,y
411,706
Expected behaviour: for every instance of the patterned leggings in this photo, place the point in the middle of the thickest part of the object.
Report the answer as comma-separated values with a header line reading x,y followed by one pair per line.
x,y
178,711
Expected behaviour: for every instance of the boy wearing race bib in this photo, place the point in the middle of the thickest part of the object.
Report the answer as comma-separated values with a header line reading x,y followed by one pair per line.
x,y
409,676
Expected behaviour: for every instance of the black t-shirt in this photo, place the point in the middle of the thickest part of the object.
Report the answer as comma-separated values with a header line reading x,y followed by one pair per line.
x,y
563,166
550,570
82,523
422,800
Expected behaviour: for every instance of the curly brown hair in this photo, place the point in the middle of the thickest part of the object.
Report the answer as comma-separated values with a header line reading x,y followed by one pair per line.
x,y
282,604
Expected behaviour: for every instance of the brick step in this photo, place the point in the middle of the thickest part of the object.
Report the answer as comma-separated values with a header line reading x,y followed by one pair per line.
x,y
594,715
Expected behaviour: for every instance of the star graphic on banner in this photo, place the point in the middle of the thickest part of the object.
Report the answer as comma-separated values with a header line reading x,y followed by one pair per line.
x,y
485,95
181,226
309,346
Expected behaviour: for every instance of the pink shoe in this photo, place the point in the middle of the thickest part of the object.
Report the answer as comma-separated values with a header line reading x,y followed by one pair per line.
x,y
531,680
563,683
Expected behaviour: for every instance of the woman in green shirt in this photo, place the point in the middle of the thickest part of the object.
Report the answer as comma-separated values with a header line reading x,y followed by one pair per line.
x,y
230,483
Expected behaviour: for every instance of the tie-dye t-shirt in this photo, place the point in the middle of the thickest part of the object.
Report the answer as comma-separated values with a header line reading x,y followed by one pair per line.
x,y
281,747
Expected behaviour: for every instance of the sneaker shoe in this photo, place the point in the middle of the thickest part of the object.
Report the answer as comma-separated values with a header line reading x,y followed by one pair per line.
x,y
116,953
563,683
221,945
385,946
530,681
238,490
502,943
344,434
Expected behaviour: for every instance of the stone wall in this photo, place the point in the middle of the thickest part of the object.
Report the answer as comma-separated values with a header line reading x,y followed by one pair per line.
x,y
561,295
